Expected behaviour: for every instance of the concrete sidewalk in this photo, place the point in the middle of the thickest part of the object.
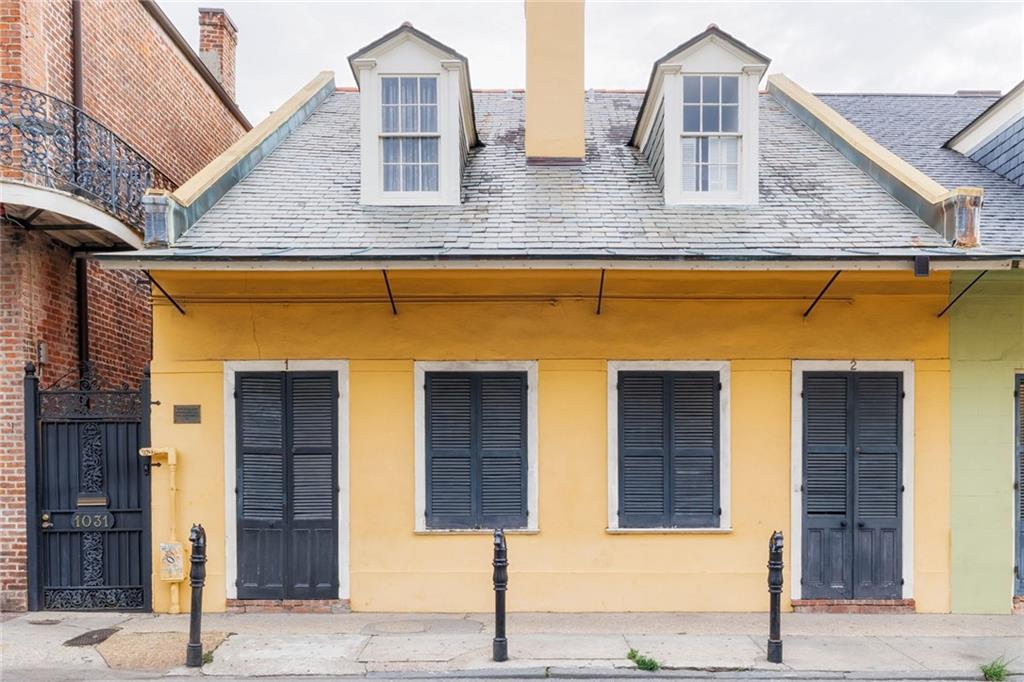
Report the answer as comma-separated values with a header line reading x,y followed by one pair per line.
x,y
689,645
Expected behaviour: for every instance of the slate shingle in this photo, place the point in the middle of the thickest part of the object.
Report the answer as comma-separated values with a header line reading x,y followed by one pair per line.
x,y
304,198
915,127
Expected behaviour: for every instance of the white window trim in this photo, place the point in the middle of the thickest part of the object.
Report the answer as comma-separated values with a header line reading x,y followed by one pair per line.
x,y
420,370
906,367
748,134
230,457
723,367
449,121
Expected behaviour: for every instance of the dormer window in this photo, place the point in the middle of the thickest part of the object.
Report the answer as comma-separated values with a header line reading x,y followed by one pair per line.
x,y
410,137
698,125
711,161
415,118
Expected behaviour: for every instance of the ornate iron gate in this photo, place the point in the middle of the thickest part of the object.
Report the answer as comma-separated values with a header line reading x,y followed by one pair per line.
x,y
88,495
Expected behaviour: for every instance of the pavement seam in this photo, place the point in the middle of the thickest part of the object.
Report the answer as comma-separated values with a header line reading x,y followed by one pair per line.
x,y
901,653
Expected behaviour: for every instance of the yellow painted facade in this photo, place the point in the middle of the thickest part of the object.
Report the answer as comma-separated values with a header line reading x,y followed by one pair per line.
x,y
751,319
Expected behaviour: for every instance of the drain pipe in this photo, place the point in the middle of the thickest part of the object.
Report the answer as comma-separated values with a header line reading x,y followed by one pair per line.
x,y
81,265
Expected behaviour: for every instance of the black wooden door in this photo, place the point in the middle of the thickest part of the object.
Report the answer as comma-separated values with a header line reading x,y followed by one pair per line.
x,y
852,491
89,546
287,485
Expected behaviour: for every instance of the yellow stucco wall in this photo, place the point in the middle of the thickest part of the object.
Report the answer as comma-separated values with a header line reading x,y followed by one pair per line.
x,y
554,78
751,319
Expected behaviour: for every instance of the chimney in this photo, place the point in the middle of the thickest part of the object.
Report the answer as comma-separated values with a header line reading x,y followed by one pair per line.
x,y
554,81
218,37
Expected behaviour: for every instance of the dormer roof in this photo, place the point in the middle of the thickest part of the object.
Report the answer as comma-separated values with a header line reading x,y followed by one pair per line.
x,y
746,54
405,32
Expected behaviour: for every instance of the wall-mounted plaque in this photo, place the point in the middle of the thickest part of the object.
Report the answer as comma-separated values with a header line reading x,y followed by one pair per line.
x,y
187,414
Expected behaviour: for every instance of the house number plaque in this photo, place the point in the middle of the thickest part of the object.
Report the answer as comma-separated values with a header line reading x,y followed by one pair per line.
x,y
92,520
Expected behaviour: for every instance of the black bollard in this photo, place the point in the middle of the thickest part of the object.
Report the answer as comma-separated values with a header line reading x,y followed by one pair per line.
x,y
500,587
197,578
775,593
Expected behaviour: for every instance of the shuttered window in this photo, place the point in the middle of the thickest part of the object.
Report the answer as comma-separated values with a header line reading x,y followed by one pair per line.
x,y
476,449
1019,394
669,450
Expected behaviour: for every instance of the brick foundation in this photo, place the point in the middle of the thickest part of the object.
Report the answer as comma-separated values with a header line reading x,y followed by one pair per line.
x,y
854,606
288,606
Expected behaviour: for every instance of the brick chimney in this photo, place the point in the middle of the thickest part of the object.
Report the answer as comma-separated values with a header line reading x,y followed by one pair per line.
x,y
218,37
554,81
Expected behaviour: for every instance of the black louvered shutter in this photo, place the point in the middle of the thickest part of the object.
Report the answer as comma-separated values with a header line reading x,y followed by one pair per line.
x,y
260,417
695,447
1019,393
502,450
669,449
476,449
827,550
877,427
313,549
643,450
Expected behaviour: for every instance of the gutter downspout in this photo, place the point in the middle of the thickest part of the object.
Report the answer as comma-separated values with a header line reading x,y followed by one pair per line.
x,y
81,265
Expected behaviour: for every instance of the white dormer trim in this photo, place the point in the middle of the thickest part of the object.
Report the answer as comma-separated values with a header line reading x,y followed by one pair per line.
x,y
407,52
712,53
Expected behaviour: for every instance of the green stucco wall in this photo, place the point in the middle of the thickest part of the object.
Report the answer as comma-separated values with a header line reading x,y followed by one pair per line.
x,y
986,351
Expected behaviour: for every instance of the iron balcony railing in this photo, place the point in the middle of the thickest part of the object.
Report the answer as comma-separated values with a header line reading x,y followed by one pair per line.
x,y
46,141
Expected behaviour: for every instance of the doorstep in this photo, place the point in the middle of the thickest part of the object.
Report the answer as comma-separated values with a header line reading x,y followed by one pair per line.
x,y
854,606
288,606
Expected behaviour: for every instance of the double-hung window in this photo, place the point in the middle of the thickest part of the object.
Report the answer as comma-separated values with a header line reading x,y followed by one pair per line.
x,y
476,449
669,449
410,136
711,133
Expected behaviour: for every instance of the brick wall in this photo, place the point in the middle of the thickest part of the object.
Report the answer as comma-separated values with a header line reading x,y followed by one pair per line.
x,y
139,84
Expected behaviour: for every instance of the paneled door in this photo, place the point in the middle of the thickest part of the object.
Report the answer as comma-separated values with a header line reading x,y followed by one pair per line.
x,y
287,478
852,487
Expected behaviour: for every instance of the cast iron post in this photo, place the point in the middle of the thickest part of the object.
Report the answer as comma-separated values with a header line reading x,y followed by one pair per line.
x,y
197,577
775,592
500,587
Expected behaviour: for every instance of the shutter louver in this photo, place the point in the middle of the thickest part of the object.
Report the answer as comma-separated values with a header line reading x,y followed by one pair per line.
x,y
262,453
449,414
503,449
694,429
877,437
643,450
313,425
826,437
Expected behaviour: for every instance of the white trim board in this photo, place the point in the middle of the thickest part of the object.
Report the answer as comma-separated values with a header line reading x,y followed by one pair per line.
x,y
723,368
230,504
532,433
906,367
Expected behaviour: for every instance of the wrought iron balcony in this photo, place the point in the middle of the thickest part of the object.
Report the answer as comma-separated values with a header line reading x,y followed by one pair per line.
x,y
47,142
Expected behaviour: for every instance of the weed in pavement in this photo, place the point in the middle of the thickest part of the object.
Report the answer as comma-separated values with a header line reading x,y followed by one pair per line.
x,y
643,662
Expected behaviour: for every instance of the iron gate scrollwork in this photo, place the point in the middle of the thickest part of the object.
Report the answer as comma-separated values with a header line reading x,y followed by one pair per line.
x,y
83,468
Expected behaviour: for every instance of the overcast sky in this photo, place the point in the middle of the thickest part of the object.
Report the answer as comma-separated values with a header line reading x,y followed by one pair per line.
x,y
824,46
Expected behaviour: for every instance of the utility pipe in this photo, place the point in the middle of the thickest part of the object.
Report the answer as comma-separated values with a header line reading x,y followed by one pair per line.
x,y
170,455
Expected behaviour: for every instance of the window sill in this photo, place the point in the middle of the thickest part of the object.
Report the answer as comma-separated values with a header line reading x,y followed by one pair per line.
x,y
474,531
668,531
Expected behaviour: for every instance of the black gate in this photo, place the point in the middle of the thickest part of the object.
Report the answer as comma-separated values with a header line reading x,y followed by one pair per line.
x,y
87,493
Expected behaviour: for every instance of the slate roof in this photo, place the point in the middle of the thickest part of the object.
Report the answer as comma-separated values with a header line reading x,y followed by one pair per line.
x,y
915,127
303,200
